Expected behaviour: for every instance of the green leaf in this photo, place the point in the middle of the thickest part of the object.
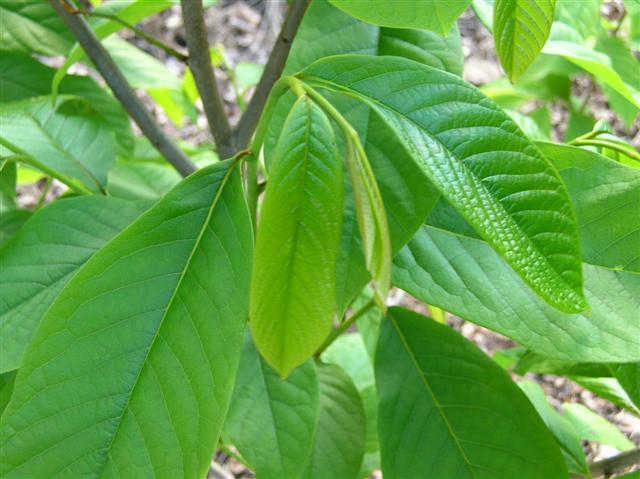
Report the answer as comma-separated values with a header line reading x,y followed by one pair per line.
x,y
628,67
293,284
520,29
339,442
45,254
592,427
350,353
272,422
448,411
428,14
606,196
372,220
141,180
32,27
23,77
327,31
8,176
10,223
563,430
64,140
628,375
479,161
609,389
465,277
595,63
424,47
134,362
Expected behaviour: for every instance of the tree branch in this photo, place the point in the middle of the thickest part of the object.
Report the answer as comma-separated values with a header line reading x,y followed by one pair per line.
x,y
272,72
121,89
200,63
614,464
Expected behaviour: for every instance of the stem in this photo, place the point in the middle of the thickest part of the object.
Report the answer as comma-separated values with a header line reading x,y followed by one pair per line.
x,y
345,325
605,144
614,464
141,33
43,194
252,190
122,90
279,89
272,72
200,64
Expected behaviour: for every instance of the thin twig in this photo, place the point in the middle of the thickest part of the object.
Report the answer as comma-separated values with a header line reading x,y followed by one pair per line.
x,y
168,49
634,155
272,72
614,464
122,90
345,325
203,74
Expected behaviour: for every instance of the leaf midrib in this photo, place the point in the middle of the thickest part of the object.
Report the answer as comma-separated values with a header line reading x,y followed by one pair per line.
x,y
152,343
360,96
428,388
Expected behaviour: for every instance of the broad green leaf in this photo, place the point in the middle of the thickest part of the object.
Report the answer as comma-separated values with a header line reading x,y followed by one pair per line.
x,y
428,14
593,427
23,77
327,31
8,176
581,17
628,375
465,277
45,254
563,430
424,47
595,63
628,67
606,197
134,362
65,140
141,180
10,223
272,422
446,410
520,29
32,27
479,161
139,68
293,284
350,353
339,442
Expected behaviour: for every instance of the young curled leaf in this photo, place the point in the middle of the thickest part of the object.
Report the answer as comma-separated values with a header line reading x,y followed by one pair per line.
x,y
293,287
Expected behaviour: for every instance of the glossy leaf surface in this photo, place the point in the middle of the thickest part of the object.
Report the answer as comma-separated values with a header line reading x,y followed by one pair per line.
x,y
429,14
446,410
465,277
606,196
479,161
520,29
293,284
45,254
148,336
32,27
